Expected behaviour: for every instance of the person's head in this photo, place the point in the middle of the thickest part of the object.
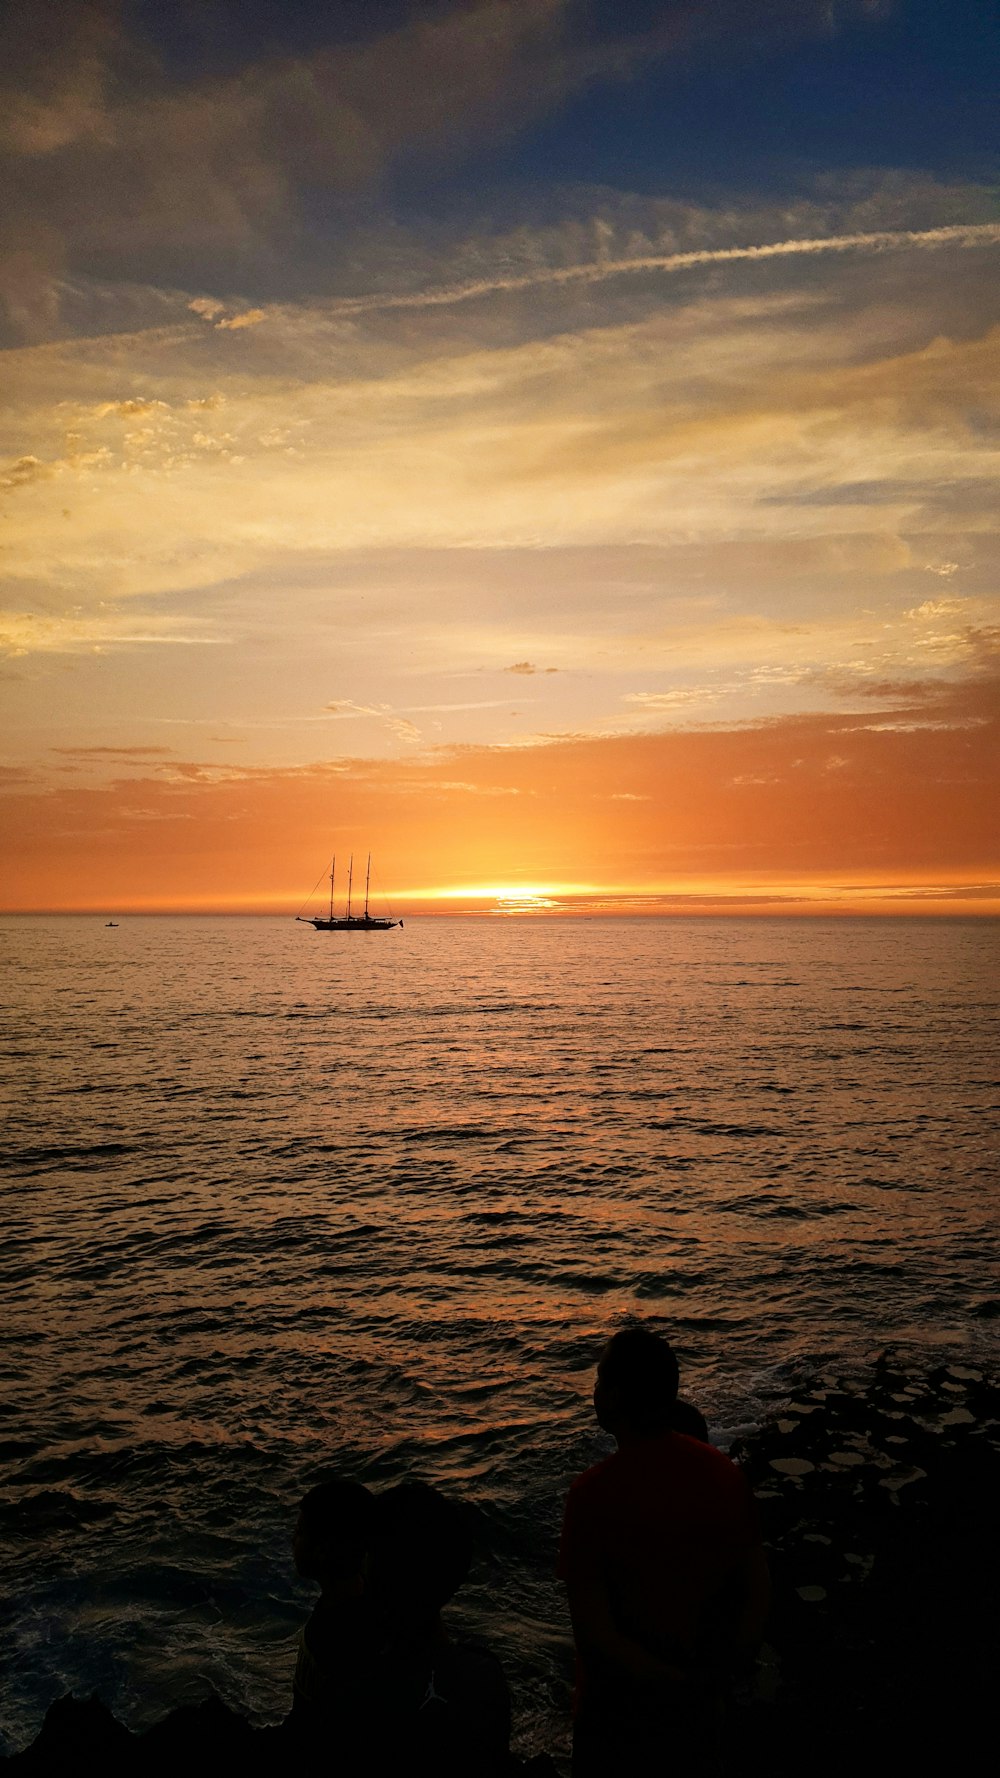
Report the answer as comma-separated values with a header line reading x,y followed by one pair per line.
x,y
333,1535
636,1386
422,1552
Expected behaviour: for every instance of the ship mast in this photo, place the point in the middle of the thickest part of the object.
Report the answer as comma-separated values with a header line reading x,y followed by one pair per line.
x,y
333,866
368,874
350,878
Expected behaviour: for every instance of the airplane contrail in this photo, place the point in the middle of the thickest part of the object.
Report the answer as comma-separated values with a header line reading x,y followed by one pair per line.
x,y
973,234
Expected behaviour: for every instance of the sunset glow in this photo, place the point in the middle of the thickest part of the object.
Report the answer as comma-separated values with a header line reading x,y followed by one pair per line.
x,y
440,432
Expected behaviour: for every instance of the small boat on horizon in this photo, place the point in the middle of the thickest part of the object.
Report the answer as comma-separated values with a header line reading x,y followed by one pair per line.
x,y
111,922
348,922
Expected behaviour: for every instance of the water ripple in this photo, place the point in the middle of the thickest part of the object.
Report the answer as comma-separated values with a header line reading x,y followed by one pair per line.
x,y
275,1205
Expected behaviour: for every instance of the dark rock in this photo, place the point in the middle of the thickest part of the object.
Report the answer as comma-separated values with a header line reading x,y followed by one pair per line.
x,y
885,1566
207,1732
78,1734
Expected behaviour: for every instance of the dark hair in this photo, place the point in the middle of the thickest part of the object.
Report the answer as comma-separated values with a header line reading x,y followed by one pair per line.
x,y
338,1509
424,1547
639,1368
686,1418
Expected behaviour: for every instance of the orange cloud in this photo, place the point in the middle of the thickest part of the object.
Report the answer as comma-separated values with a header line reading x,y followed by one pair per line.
x,y
850,812
248,318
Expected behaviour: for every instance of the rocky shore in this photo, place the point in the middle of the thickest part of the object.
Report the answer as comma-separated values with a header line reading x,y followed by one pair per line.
x,y
879,1501
879,1498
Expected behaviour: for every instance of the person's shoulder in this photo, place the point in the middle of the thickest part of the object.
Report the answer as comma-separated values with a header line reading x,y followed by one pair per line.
x,y
675,1462
596,1478
698,1457
698,1449
595,1493
713,1485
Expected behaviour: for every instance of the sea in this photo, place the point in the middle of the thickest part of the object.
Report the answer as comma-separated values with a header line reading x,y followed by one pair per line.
x,y
280,1205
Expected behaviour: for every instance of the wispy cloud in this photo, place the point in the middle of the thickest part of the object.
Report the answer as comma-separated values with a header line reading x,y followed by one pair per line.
x,y
111,753
248,318
399,726
116,157
959,235
708,498
24,633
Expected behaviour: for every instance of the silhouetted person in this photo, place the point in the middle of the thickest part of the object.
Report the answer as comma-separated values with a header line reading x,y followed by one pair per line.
x,y
447,1708
340,1642
380,1685
666,1576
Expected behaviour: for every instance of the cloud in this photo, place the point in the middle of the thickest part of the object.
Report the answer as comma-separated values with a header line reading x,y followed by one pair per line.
x,y
930,723
660,702
599,271
116,158
207,306
464,786
642,484
346,708
109,147
465,704
955,496
932,608
731,812
110,753
26,470
249,318
24,633
622,433
399,726
703,456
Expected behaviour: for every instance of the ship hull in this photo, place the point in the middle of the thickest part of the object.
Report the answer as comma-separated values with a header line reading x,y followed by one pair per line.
x,y
352,925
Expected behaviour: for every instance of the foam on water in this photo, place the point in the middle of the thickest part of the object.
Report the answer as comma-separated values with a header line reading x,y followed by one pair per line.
x,y
277,1202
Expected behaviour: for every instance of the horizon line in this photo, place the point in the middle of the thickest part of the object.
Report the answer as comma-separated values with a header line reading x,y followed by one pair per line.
x,y
937,907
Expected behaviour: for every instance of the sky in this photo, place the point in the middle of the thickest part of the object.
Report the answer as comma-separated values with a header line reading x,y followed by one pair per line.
x,y
548,444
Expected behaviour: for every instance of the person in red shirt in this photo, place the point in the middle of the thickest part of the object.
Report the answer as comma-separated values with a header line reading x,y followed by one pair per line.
x,y
665,1572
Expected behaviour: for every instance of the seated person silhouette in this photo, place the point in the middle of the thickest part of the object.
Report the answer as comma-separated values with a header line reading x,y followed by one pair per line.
x,y
666,1576
380,1685
446,1702
331,1545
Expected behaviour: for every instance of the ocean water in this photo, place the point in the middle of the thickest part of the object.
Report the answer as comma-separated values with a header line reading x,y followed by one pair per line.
x,y
279,1204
